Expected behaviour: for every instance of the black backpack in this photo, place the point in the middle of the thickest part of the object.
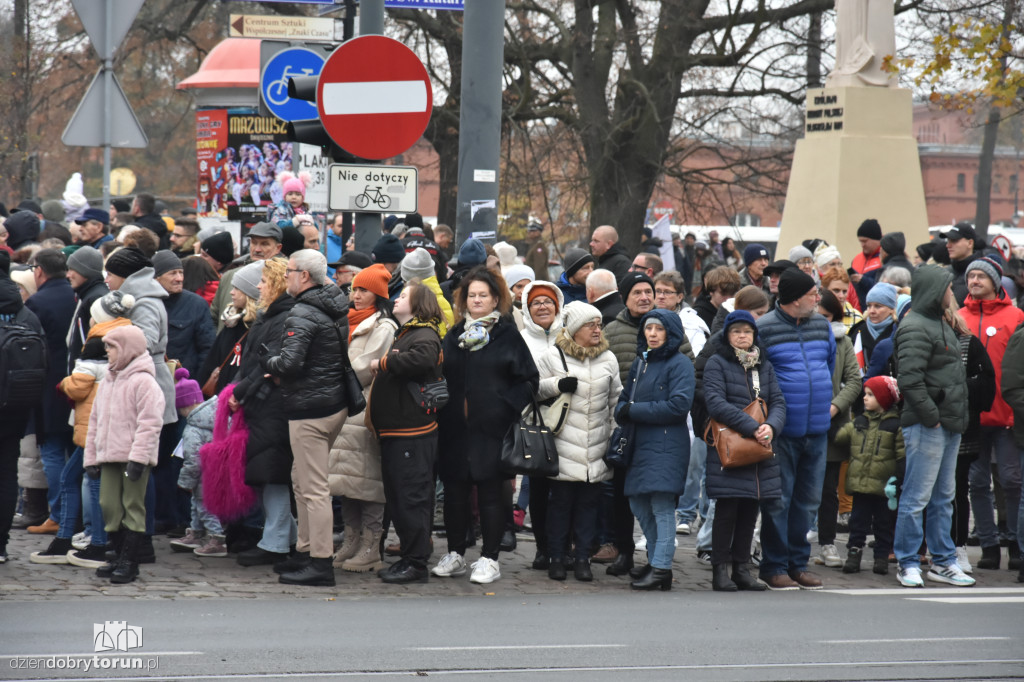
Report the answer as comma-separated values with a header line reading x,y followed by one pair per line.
x,y
22,365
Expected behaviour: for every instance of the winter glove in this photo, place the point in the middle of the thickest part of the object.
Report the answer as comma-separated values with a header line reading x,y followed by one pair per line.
x,y
134,471
890,492
568,384
623,416
93,471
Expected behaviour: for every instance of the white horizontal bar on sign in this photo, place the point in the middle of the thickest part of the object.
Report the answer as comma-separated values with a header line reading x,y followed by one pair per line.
x,y
375,97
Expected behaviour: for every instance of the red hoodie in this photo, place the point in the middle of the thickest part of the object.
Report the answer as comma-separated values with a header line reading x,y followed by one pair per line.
x,y
993,322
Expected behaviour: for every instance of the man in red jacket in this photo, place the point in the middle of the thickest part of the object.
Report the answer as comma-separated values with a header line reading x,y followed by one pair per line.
x,y
992,317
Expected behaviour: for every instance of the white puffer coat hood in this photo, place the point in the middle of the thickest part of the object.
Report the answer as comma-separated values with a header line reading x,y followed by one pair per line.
x,y
537,338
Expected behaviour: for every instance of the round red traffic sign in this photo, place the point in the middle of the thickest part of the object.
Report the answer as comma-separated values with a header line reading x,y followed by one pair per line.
x,y
374,97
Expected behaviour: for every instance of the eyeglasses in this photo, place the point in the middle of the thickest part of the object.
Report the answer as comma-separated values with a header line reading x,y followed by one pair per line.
x,y
593,326
289,270
542,303
666,292
637,268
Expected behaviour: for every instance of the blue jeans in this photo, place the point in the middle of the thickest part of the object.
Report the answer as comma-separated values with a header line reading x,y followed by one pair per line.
x,y
785,521
929,484
656,513
70,494
996,445
54,453
693,494
280,531
704,534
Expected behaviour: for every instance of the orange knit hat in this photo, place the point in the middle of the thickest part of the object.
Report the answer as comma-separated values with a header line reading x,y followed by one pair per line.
x,y
374,278
542,290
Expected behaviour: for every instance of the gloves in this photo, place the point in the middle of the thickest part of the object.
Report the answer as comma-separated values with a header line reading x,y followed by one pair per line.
x,y
890,492
623,416
92,471
568,384
134,471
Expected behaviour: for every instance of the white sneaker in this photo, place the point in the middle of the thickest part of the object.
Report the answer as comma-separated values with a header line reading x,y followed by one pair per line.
x,y
829,556
682,529
451,564
80,540
485,571
962,561
910,576
951,575
812,536
641,544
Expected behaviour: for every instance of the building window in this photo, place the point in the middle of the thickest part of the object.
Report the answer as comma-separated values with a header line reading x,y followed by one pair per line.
x,y
961,182
975,183
746,220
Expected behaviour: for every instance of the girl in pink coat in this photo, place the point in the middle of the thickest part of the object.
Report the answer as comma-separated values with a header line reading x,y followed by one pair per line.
x,y
121,445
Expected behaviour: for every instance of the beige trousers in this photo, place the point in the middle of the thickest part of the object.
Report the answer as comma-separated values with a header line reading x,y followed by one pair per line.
x,y
311,441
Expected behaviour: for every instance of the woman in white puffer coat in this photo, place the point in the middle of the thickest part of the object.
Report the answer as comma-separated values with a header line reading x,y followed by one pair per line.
x,y
579,364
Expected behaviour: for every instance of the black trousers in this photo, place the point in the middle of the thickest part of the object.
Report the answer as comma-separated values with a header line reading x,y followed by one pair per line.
x,y
732,530
871,514
622,516
407,466
540,491
574,506
829,508
12,428
173,505
458,513
960,528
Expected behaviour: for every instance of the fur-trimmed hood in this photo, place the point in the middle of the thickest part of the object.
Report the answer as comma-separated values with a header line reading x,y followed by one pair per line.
x,y
575,350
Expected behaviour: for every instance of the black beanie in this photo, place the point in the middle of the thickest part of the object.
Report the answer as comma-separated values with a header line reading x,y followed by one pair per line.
x,y
894,243
219,247
793,284
574,260
291,240
631,280
126,261
870,229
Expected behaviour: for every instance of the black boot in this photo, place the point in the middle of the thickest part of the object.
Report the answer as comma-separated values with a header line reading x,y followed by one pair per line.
x,y
508,541
720,581
127,568
657,579
147,554
638,572
294,562
257,556
35,509
318,573
621,565
990,557
115,541
1013,552
744,581
853,558
541,561
556,569
582,571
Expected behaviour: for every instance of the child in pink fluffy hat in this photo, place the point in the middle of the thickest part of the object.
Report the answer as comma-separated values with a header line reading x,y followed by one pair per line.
x,y
292,210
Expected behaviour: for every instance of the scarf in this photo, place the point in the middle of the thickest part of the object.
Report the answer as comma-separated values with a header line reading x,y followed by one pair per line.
x,y
748,358
357,316
876,329
477,333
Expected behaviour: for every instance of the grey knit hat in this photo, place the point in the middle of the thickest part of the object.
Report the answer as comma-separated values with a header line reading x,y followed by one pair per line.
x,y
417,264
87,261
110,306
247,279
165,261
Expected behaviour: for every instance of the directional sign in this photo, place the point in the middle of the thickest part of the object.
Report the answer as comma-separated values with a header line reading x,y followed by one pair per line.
x,y
295,61
92,14
426,4
373,188
86,126
283,28
374,97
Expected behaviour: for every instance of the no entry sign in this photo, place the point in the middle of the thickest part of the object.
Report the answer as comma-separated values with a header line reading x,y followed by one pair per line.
x,y
374,97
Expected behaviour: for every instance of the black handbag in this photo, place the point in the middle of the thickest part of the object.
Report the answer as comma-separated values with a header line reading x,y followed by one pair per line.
x,y
529,447
350,386
620,447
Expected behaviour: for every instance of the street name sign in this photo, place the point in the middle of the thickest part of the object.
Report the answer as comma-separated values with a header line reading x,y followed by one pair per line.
x,y
282,28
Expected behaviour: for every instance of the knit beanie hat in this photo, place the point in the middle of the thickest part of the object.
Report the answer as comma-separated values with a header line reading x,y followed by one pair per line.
x,y
574,260
517,273
219,247
894,243
754,252
374,278
883,293
739,317
630,280
793,284
885,389
111,306
388,249
22,228
991,267
186,391
293,184
165,261
247,279
417,264
542,288
291,240
902,305
53,211
86,261
798,253
412,220
126,261
506,254
824,256
577,314
870,229
472,253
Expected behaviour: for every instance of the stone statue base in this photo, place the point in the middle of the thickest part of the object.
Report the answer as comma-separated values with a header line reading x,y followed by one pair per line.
x,y
858,160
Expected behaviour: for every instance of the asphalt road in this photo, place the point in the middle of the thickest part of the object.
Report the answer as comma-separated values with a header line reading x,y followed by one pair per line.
x,y
874,634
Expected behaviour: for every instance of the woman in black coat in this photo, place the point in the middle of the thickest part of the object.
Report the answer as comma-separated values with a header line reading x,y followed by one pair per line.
x,y
729,386
268,452
238,318
491,378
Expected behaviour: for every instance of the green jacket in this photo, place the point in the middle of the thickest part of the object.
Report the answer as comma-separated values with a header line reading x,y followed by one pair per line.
x,y
930,373
621,334
846,388
875,443
1013,382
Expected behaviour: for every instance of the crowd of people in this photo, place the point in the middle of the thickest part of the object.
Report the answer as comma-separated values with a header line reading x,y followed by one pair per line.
x,y
288,406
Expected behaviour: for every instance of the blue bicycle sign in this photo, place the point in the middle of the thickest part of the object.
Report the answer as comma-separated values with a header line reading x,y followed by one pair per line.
x,y
295,61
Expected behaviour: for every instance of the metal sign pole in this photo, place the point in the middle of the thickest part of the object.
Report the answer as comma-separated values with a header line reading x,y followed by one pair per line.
x,y
108,89
367,225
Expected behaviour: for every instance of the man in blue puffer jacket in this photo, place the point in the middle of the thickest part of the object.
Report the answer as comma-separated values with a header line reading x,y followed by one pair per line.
x,y
801,347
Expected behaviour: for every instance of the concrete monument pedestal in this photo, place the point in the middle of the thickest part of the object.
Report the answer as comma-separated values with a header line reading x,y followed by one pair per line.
x,y
858,159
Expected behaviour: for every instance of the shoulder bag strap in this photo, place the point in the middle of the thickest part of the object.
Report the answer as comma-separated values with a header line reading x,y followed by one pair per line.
x,y
231,352
565,365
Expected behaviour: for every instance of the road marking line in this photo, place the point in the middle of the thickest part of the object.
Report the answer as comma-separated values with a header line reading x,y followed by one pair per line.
x,y
374,97
912,639
120,654
892,592
971,600
516,646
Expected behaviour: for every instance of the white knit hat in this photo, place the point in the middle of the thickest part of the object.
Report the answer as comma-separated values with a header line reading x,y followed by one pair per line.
x,y
111,306
577,314
825,255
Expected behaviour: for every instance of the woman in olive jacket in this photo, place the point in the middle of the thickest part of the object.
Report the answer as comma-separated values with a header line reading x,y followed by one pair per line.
x,y
491,378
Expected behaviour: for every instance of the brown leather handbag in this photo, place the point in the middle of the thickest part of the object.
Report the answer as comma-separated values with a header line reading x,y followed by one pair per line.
x,y
210,387
734,449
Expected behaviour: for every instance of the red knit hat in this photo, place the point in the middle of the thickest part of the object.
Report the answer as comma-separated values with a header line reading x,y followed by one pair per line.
x,y
885,390
374,278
